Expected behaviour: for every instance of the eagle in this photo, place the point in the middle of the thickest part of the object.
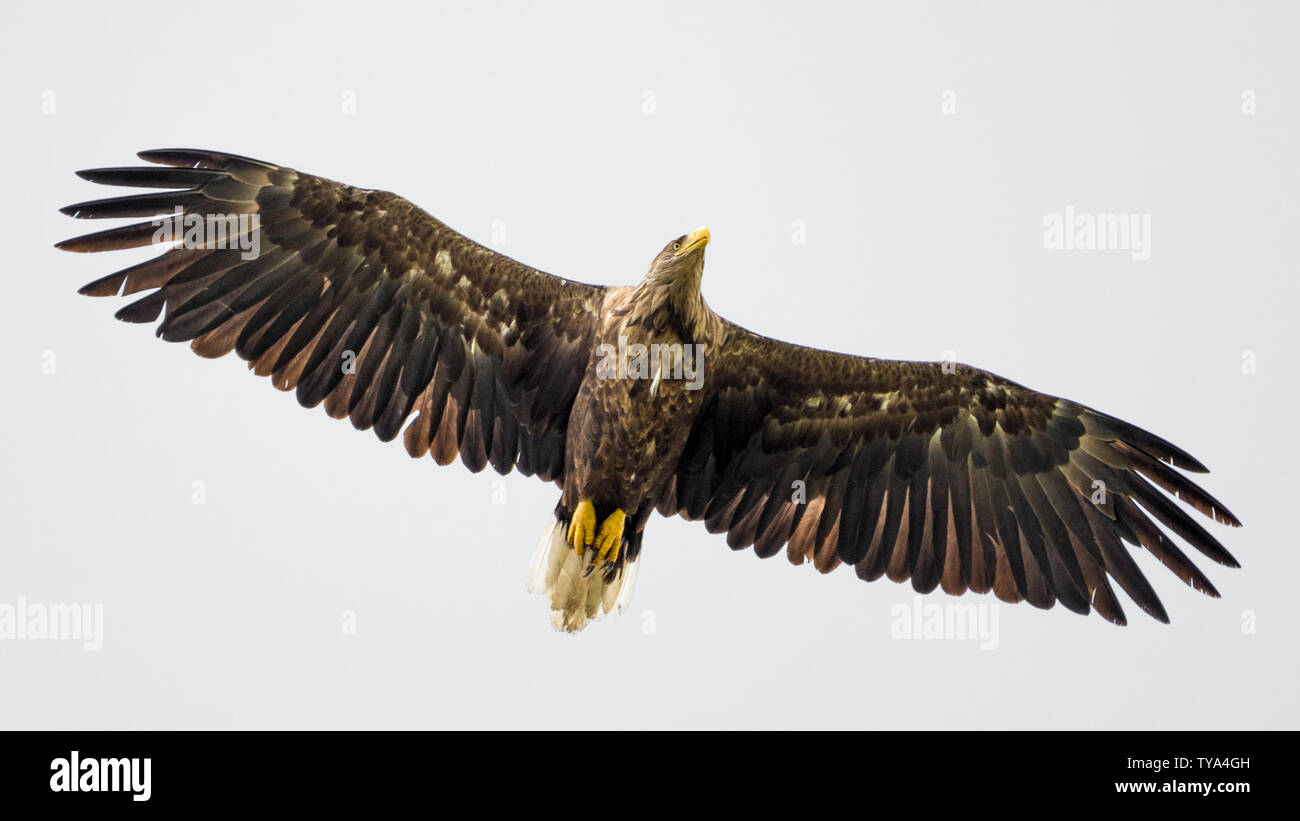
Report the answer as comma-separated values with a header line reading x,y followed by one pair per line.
x,y
636,399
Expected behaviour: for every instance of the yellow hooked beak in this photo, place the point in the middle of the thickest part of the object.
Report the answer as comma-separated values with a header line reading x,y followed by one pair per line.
x,y
697,240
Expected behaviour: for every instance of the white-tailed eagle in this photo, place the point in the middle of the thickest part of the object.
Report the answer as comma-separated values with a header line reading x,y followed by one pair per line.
x,y
636,399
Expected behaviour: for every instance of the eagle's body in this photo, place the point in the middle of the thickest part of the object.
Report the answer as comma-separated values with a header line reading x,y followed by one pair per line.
x,y
626,433
625,466
940,473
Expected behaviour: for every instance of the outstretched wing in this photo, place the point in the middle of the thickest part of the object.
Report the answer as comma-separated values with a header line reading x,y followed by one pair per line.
x,y
354,298
944,474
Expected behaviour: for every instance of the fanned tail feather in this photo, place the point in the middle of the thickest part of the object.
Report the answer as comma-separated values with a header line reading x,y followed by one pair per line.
x,y
576,597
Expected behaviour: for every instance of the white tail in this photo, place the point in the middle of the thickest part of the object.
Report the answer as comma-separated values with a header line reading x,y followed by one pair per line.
x,y
559,572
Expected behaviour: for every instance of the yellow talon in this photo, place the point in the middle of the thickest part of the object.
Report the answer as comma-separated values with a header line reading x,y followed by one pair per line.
x,y
582,527
610,537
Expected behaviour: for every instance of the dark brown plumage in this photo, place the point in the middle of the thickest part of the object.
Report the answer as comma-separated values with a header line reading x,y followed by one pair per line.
x,y
945,475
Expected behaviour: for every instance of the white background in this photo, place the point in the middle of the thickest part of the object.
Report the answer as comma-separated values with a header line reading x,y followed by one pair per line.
x,y
924,235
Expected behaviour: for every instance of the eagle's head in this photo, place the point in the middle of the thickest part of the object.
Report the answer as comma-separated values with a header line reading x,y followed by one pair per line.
x,y
681,262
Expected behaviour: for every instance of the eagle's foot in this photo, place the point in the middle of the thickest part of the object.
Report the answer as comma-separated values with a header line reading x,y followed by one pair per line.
x,y
582,527
609,538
